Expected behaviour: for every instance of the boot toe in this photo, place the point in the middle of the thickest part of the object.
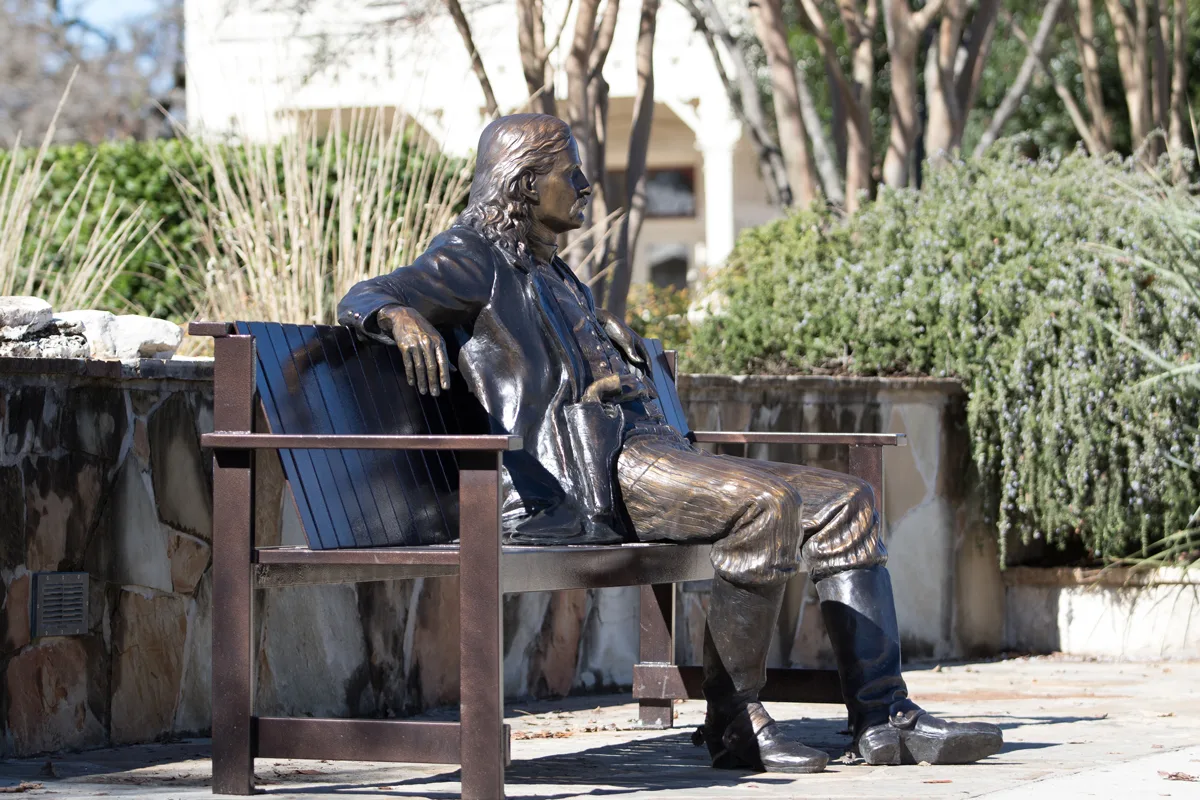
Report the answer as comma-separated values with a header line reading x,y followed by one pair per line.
x,y
937,741
880,746
755,741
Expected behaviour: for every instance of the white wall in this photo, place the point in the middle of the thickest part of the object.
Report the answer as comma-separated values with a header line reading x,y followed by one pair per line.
x,y
247,68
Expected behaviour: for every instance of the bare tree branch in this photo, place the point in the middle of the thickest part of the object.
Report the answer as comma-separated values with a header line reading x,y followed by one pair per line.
x,y
464,30
1176,136
771,27
1083,28
920,20
635,171
743,95
1037,57
604,38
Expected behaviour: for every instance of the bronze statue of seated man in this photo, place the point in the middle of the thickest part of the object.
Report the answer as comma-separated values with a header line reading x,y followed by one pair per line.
x,y
601,465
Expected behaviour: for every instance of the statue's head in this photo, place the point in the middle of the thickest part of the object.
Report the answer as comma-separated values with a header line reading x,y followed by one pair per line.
x,y
527,174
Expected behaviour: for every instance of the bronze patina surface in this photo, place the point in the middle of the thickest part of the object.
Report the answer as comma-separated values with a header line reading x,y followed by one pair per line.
x,y
599,463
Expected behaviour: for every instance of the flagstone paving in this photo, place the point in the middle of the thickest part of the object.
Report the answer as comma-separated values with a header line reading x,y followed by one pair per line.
x,y
1072,729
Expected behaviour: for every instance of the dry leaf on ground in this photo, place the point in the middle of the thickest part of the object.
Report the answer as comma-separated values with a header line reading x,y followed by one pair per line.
x,y
23,786
1179,776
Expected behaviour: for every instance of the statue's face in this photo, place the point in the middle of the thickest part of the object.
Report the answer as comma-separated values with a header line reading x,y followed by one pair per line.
x,y
562,193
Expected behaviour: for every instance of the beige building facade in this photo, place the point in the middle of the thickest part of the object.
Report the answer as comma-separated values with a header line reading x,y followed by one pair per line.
x,y
252,65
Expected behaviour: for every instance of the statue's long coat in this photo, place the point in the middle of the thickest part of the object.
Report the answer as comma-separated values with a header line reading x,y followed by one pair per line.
x,y
519,360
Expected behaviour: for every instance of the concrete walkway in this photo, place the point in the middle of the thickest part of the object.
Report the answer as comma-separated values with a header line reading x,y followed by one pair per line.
x,y
1073,729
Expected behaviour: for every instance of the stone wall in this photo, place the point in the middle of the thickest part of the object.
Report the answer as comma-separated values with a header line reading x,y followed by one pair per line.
x,y
101,471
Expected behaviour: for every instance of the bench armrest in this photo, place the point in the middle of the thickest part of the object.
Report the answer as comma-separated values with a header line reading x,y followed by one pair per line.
x,y
221,440
756,437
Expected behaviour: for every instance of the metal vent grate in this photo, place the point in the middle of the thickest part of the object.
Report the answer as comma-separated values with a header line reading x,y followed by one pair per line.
x,y
60,604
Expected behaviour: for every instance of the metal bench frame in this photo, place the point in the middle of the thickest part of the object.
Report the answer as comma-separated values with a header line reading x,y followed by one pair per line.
x,y
487,570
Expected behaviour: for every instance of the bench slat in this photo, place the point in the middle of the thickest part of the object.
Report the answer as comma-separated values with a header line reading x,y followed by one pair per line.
x,y
356,484
399,509
770,437
427,498
282,415
220,440
337,410
664,386
333,480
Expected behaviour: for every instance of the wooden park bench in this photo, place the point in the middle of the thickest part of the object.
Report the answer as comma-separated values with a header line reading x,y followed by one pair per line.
x,y
390,484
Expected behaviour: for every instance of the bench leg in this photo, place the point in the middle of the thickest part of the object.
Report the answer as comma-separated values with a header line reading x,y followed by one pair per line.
x,y
481,622
866,462
233,591
656,645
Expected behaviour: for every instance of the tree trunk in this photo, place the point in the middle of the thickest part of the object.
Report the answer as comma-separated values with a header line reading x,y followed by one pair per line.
x,y
1133,40
854,95
635,171
978,46
601,203
1177,138
944,115
1038,49
902,53
580,108
1159,33
742,91
824,157
860,183
464,30
904,28
953,68
793,135
535,56
1084,31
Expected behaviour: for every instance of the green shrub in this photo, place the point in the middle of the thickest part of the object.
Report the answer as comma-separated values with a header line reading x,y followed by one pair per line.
x,y
660,312
999,272
139,173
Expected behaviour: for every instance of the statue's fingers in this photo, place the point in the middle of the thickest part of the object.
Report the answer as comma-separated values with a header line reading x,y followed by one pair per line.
x,y
419,369
410,368
432,367
642,353
443,361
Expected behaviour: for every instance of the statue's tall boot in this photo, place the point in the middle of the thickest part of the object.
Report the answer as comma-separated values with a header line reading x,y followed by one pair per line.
x,y
860,616
737,729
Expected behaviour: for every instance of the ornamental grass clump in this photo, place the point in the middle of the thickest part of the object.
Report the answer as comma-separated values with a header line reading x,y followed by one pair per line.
x,y
284,229
1026,280
64,243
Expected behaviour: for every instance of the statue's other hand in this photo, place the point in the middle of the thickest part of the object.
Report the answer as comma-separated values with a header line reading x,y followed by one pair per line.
x,y
623,338
423,349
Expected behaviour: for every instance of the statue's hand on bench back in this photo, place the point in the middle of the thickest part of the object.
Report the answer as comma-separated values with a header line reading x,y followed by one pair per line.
x,y
422,348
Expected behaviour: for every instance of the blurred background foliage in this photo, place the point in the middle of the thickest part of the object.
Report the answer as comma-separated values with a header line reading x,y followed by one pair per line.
x,y
1027,280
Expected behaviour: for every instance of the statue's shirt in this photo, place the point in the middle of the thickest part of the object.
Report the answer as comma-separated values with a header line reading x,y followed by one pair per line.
x,y
526,345
600,357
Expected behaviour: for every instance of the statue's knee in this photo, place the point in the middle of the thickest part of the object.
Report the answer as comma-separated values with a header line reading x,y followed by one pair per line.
x,y
862,496
780,504
783,506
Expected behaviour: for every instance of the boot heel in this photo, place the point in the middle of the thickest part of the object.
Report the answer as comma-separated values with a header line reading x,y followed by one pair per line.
x,y
880,746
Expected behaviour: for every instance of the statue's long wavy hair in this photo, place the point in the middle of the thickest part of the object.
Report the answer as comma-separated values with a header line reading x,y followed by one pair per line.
x,y
509,148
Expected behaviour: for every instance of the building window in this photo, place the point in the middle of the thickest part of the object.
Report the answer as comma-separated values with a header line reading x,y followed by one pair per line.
x,y
670,192
668,265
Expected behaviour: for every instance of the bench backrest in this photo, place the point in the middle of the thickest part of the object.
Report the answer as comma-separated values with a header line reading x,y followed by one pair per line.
x,y
320,379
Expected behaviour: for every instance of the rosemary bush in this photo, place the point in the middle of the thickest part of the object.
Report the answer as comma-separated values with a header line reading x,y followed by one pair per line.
x,y
1025,280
